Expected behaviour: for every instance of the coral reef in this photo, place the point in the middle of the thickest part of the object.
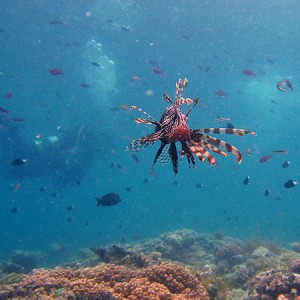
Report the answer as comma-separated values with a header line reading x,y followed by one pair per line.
x,y
217,268
275,285
108,281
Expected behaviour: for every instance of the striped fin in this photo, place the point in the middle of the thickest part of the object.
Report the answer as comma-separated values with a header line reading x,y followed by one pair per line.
x,y
182,101
143,142
139,109
212,148
218,143
202,153
186,151
239,132
142,120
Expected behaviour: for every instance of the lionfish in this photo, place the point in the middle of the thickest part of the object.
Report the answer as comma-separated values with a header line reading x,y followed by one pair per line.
x,y
173,128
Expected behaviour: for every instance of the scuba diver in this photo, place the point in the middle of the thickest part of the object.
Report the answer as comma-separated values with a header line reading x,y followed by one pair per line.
x,y
65,158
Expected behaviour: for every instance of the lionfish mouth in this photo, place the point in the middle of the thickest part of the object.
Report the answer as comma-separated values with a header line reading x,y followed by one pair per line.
x,y
173,128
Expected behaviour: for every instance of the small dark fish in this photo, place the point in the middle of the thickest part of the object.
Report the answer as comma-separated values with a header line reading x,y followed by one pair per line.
x,y
70,207
53,195
57,22
135,158
265,158
221,93
185,37
246,180
146,180
286,164
129,189
207,69
135,78
125,107
108,200
94,63
125,28
56,72
175,182
281,151
199,185
159,71
78,182
290,183
19,162
267,192
229,125
17,119
8,95
14,210
269,60
15,187
42,188
249,72
3,110
85,85
70,219
221,119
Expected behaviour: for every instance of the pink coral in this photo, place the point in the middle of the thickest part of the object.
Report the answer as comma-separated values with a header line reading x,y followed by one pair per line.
x,y
272,284
108,281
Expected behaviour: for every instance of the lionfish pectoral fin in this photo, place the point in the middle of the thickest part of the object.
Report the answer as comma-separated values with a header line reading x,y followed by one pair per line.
x,y
144,141
236,131
174,157
186,151
199,150
158,153
199,137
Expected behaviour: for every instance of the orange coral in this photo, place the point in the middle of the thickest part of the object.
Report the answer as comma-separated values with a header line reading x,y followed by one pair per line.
x,y
166,281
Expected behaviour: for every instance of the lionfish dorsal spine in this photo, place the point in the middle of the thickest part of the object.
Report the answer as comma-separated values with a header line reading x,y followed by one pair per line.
x,y
141,120
167,98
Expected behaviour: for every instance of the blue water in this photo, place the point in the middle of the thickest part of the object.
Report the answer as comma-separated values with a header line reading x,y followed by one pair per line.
x,y
210,43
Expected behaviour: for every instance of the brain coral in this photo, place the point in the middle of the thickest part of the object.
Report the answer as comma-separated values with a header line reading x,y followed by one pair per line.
x,y
166,281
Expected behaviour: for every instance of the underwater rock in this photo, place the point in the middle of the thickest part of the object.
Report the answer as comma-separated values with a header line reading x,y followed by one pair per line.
x,y
261,252
295,247
122,255
21,262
